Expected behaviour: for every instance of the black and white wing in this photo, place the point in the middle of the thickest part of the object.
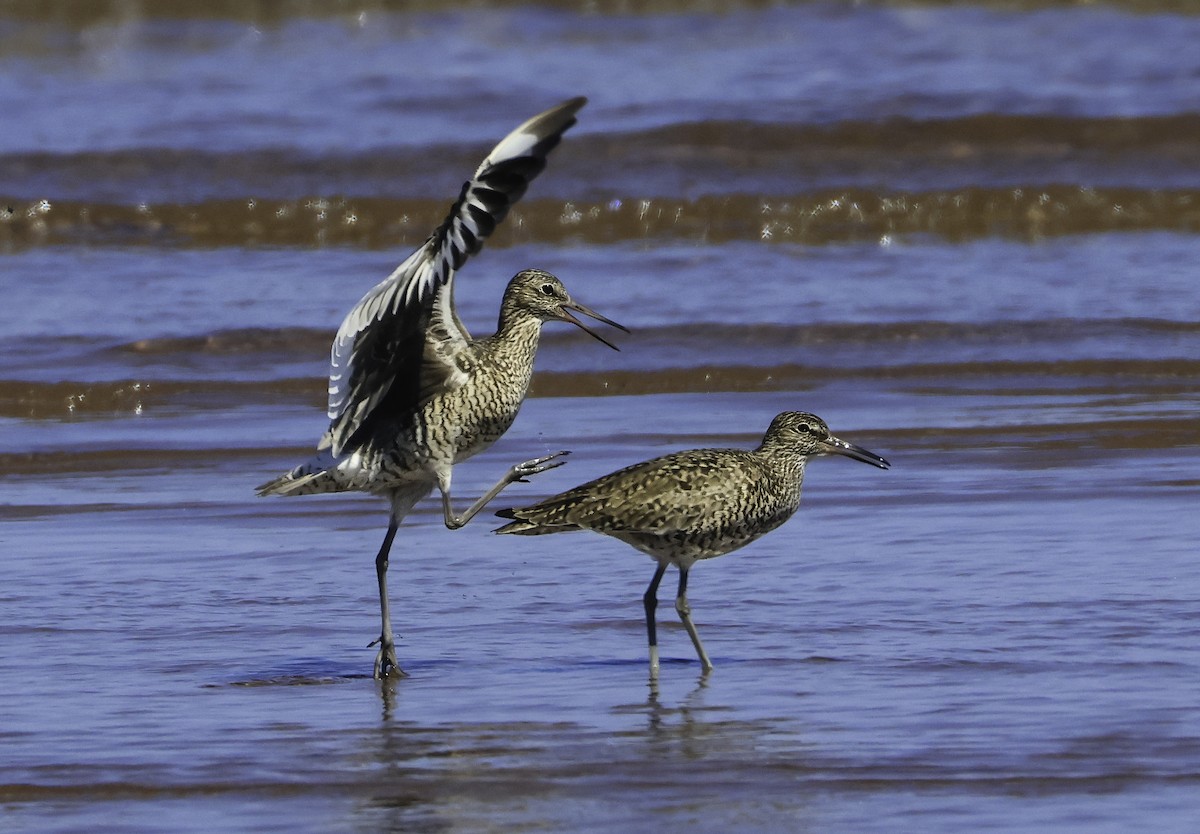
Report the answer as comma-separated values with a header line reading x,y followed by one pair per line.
x,y
398,343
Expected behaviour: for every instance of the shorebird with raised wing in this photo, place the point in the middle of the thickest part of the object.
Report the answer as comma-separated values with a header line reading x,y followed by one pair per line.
x,y
687,506
410,392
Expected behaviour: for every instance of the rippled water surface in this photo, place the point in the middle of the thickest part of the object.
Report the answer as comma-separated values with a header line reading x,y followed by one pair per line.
x,y
965,235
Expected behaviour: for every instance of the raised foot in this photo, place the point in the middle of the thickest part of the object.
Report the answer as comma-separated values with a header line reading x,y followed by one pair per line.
x,y
521,471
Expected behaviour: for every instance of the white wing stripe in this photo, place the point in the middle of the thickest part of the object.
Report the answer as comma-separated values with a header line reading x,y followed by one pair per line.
x,y
355,389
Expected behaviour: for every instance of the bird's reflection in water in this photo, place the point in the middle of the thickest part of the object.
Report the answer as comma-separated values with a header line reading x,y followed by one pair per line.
x,y
543,767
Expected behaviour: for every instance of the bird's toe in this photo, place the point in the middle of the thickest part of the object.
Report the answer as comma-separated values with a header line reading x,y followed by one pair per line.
x,y
542,464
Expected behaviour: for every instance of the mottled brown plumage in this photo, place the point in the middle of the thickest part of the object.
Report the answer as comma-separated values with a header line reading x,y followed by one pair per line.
x,y
687,506
410,392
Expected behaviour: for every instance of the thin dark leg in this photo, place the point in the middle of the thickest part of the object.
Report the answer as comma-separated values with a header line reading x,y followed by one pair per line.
x,y
685,614
385,660
516,474
650,600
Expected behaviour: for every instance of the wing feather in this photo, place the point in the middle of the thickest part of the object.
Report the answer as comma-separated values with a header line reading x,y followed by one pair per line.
x,y
397,343
671,494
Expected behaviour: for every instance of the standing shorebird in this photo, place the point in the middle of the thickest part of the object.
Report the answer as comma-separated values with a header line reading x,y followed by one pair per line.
x,y
687,506
410,392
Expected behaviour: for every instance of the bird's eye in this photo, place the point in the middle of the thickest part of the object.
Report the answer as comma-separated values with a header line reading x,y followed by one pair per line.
x,y
547,289
804,428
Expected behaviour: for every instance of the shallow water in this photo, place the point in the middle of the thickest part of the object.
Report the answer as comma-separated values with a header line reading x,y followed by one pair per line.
x,y
966,236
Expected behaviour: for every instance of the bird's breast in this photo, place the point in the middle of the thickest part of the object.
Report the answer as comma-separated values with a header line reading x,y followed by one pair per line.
x,y
469,419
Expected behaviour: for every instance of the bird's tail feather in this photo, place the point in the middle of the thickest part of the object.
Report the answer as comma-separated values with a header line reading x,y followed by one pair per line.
x,y
524,527
527,528
288,485
306,479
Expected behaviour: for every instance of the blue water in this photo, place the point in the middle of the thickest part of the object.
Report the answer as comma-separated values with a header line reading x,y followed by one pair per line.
x,y
998,633
344,83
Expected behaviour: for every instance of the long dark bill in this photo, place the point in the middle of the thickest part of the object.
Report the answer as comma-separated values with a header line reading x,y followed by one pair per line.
x,y
833,446
573,305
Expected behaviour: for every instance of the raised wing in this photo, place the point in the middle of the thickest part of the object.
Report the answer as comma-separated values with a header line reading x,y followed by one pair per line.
x,y
380,361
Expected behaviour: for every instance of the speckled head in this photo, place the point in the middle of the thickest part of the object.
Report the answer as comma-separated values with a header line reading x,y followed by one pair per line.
x,y
808,434
537,292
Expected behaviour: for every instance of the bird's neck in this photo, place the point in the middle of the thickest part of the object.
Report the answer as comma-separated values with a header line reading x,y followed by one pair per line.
x,y
516,337
783,458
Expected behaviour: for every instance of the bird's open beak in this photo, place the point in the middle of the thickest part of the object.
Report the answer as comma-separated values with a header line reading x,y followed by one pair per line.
x,y
565,315
833,446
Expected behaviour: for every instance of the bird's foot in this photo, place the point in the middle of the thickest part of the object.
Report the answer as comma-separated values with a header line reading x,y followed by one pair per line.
x,y
386,665
521,471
